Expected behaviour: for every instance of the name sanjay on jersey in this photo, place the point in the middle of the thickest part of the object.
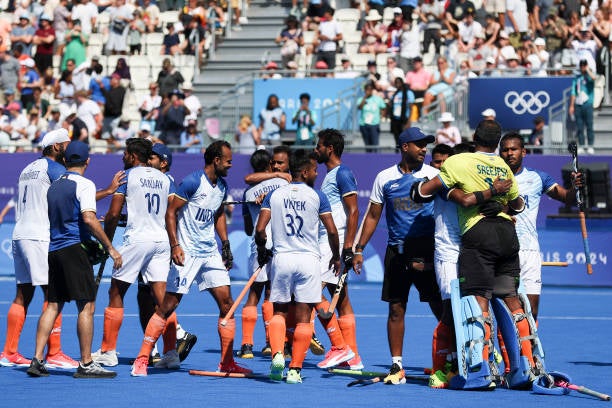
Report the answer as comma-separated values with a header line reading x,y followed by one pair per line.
x,y
151,183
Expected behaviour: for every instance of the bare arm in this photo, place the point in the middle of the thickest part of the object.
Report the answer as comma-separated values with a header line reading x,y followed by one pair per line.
x,y
118,179
178,256
471,199
351,209
333,239
89,218
255,178
221,224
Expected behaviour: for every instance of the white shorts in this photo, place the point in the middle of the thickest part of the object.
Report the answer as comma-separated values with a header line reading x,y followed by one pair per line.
x,y
327,273
446,271
531,271
495,6
208,272
262,276
297,275
31,261
116,42
152,259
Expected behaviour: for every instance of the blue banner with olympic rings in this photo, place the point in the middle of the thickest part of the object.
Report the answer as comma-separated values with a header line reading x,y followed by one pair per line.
x,y
517,101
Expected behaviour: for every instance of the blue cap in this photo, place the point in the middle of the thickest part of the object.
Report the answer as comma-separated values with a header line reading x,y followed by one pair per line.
x,y
76,152
163,152
414,134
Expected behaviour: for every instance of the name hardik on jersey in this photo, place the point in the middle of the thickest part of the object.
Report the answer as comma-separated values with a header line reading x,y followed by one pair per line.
x,y
196,220
295,215
146,193
31,218
338,183
476,172
405,218
531,185
68,197
250,194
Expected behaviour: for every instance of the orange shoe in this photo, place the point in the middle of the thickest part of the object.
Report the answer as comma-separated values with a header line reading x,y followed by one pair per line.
x,y
233,368
139,368
61,360
14,360
354,363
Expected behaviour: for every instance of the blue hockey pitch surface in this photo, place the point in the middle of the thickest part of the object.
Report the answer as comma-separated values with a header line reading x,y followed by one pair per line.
x,y
575,326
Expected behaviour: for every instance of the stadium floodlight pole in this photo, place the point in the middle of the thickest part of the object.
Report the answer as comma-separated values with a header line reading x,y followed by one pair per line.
x,y
573,149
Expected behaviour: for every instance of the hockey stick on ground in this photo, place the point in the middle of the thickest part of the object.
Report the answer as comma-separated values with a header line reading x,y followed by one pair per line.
x,y
582,390
361,373
225,375
230,313
555,264
327,314
573,149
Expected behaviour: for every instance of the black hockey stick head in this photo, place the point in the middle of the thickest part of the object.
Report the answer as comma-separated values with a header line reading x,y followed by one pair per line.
x,y
572,147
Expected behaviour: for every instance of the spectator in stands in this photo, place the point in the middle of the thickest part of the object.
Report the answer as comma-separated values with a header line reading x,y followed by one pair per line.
x,y
378,5
169,78
247,135
481,51
315,14
270,71
305,120
11,96
121,15
272,121
467,30
491,29
38,102
410,45
586,47
89,112
386,83
29,80
327,37
513,67
49,83
517,19
195,39
192,103
601,29
54,120
581,105
419,78
373,34
171,43
23,34
122,133
61,16
431,14
113,105
440,86
149,106
87,13
9,73
191,139
135,32
448,134
394,31
555,35
455,12
5,31
290,39
490,68
215,14
37,125
77,129
76,43
150,15
20,57
536,138
172,118
400,108
408,7
122,69
192,9
505,49
346,69
536,56
96,83
64,91
495,8
16,123
373,75
372,108
44,39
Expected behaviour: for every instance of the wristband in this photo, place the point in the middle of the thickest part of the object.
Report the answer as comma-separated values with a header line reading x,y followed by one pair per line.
x,y
174,246
493,190
357,253
479,197
359,246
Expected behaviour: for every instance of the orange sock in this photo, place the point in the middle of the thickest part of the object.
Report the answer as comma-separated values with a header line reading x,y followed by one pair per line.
x,y
54,343
170,333
301,342
267,311
487,338
331,326
277,330
503,351
226,336
441,346
154,329
14,324
348,329
525,331
249,319
289,325
113,317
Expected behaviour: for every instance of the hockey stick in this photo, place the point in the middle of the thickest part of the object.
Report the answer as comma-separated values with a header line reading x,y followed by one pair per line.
x,y
555,264
225,375
242,294
238,202
582,390
100,272
375,374
573,149
327,314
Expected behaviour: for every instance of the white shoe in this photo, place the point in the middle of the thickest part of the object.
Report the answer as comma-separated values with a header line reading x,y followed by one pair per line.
x,y
581,150
170,360
105,358
590,150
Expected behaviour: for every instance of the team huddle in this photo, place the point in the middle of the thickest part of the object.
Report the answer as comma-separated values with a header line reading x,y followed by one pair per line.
x,y
461,230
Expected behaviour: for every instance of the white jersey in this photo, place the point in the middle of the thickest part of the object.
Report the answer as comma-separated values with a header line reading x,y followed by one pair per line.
x,y
394,173
250,194
146,193
196,220
531,184
295,214
338,183
31,214
448,233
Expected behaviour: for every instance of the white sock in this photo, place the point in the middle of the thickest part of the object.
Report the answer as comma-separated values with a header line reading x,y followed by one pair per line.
x,y
155,351
180,333
397,360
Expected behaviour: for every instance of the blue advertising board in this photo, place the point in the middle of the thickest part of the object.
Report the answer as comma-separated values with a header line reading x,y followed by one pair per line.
x,y
517,100
323,92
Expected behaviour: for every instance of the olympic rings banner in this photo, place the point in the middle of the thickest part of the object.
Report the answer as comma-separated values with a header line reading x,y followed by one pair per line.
x,y
516,101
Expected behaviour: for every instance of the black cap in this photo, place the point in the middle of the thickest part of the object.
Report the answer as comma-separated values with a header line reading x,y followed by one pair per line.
x,y
583,62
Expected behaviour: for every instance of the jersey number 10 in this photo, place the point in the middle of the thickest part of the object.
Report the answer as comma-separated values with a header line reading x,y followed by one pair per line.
x,y
152,203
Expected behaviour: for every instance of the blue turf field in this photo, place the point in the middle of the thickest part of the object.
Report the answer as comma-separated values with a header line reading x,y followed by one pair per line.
x,y
575,325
